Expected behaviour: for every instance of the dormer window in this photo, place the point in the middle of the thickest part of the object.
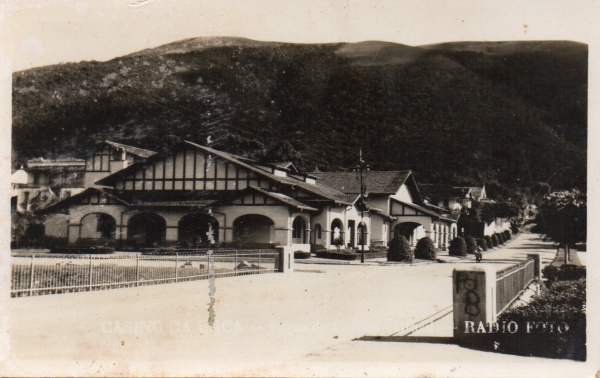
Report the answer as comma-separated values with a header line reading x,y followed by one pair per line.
x,y
118,155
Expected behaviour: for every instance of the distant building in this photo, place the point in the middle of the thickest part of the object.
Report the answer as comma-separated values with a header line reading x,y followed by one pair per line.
x,y
62,177
396,200
66,177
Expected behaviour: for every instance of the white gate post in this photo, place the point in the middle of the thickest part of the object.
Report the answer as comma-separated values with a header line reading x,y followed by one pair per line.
x,y
474,298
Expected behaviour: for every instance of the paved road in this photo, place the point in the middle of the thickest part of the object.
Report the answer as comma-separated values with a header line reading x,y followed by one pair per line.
x,y
301,323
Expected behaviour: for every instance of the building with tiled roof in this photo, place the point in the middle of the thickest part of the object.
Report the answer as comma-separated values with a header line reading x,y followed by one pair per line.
x,y
181,195
191,194
401,206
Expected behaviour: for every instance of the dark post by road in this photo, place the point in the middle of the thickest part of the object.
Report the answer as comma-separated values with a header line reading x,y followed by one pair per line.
x,y
363,203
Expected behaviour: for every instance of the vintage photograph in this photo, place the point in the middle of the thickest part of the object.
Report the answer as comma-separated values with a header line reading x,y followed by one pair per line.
x,y
322,188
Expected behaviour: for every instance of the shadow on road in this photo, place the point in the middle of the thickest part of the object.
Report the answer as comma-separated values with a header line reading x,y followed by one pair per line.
x,y
409,339
534,246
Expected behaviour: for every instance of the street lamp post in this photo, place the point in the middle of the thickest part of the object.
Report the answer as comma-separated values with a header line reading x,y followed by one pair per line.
x,y
363,204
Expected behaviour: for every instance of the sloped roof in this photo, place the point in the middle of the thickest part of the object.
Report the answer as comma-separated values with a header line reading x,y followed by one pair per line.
x,y
422,209
443,191
19,177
285,199
381,213
476,191
200,199
320,190
377,182
77,197
315,189
140,152
286,165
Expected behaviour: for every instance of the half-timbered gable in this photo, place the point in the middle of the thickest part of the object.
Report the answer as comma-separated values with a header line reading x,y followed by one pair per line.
x,y
396,203
111,157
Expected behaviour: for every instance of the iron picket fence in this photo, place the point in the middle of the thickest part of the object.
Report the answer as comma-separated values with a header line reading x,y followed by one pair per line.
x,y
511,282
54,274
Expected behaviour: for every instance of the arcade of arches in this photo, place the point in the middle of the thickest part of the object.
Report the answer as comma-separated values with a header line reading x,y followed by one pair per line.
x,y
148,229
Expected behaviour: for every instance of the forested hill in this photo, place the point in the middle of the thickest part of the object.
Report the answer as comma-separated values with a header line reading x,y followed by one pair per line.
x,y
511,113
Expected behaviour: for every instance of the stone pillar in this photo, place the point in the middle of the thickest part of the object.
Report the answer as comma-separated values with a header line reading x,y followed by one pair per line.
x,y
172,234
537,270
537,258
286,259
474,298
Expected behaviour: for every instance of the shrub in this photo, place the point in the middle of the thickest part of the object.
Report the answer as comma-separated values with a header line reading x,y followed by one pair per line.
x,y
500,238
425,249
507,235
494,240
338,242
566,272
375,251
98,242
471,245
458,247
399,250
341,254
562,304
314,248
482,244
81,249
245,245
488,241
301,255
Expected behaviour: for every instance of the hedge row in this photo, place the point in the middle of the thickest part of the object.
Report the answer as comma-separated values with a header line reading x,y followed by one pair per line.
x,y
565,272
81,249
552,325
301,255
338,255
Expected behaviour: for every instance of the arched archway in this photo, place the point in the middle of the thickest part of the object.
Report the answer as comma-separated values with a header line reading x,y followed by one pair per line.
x,y
408,230
98,226
299,230
146,230
337,231
253,228
198,230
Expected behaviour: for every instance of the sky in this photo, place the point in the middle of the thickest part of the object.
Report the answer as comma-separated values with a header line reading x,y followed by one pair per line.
x,y
38,32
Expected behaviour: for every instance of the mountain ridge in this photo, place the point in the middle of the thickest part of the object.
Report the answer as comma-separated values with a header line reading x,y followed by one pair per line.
x,y
515,113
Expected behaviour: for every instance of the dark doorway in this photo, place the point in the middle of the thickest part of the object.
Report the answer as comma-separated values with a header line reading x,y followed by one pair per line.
x,y
146,230
197,230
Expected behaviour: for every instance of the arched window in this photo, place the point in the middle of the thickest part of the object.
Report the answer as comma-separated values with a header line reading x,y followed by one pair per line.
x,y
337,232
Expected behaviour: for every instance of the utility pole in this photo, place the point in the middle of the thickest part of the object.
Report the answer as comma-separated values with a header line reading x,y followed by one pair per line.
x,y
363,203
